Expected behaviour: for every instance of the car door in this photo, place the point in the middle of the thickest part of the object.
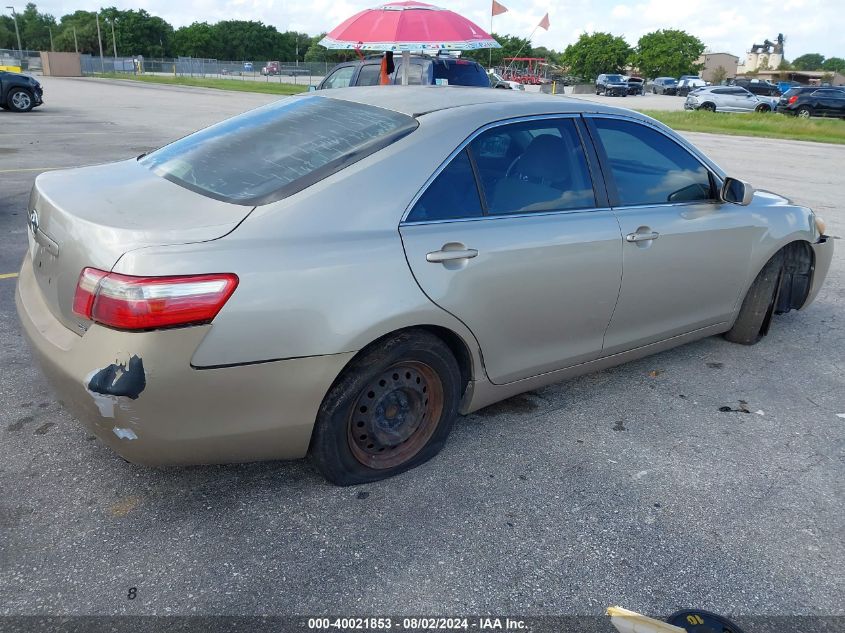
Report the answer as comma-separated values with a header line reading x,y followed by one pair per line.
x,y
745,100
513,239
685,253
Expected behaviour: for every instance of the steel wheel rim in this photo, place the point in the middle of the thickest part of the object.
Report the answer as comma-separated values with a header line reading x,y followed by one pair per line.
x,y
395,415
21,100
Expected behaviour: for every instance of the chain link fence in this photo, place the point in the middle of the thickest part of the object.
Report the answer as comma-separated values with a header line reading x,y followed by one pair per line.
x,y
27,61
305,73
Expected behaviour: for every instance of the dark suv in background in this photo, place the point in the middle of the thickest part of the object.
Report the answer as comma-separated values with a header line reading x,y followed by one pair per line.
x,y
813,101
757,86
19,92
611,85
425,70
664,86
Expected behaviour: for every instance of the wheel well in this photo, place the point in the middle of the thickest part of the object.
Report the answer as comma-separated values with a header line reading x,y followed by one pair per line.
x,y
454,342
707,104
797,276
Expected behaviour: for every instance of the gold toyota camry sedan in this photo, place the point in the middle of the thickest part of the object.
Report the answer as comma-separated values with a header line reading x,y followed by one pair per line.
x,y
342,275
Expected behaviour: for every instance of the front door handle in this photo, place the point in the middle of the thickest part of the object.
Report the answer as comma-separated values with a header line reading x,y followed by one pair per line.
x,y
642,237
438,257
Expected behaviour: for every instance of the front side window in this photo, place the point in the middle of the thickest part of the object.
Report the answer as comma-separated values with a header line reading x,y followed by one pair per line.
x,y
276,150
341,78
650,168
533,166
369,75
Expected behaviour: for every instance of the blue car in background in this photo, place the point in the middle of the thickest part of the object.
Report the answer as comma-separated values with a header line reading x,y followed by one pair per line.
x,y
248,67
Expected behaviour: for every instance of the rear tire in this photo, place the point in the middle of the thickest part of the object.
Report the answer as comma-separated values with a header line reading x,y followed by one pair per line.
x,y
763,108
804,112
389,411
757,309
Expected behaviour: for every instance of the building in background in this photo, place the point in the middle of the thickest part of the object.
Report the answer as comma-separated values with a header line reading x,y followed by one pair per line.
x,y
765,56
717,64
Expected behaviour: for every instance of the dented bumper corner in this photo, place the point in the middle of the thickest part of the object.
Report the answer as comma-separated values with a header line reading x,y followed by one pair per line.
x,y
822,256
138,392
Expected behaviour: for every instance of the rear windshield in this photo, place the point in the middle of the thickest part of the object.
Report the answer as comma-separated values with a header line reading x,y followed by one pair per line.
x,y
460,73
616,78
274,151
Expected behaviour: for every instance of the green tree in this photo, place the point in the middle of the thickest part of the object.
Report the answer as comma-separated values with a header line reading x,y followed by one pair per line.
x,y
512,46
719,75
596,53
809,61
784,65
35,28
83,22
669,53
835,64
317,53
7,33
196,40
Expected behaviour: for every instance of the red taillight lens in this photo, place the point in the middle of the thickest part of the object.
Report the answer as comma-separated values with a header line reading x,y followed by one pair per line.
x,y
793,99
145,303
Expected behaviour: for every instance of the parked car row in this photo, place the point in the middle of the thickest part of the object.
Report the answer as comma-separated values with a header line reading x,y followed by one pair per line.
x,y
807,101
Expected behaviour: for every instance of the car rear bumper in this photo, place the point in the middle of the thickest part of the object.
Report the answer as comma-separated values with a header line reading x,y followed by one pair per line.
x,y
823,254
139,394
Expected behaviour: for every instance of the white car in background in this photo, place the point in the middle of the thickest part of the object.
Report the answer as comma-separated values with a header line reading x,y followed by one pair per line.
x,y
728,99
497,81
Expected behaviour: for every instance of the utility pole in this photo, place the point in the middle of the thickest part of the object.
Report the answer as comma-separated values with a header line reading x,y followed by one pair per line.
x,y
51,39
100,40
17,32
75,42
113,40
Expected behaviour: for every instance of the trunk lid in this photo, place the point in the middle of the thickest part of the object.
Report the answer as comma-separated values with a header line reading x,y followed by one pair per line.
x,y
91,216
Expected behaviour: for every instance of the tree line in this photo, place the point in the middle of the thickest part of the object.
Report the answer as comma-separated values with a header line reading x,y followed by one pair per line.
x,y
660,53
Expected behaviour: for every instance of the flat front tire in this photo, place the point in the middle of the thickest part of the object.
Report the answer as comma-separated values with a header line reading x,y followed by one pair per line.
x,y
390,410
755,315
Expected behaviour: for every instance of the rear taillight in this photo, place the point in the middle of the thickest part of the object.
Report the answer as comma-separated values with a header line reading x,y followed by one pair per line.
x,y
144,303
792,99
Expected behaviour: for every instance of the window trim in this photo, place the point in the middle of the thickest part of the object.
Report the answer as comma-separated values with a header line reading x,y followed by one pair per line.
x,y
600,196
614,200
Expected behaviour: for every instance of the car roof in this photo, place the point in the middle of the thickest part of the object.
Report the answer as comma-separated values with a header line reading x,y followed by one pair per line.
x,y
418,100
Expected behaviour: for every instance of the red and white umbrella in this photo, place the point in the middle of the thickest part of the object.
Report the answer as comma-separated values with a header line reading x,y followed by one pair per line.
x,y
408,26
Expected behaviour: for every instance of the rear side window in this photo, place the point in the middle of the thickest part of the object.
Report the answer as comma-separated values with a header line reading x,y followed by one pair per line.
x,y
453,194
274,151
650,168
460,73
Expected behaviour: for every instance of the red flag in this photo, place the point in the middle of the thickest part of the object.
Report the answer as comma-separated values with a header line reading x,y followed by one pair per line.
x,y
498,9
544,23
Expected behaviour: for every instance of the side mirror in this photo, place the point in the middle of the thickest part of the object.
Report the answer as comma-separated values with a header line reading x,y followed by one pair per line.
x,y
312,88
737,192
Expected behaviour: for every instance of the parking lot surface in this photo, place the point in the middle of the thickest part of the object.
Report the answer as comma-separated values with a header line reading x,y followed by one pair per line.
x,y
628,486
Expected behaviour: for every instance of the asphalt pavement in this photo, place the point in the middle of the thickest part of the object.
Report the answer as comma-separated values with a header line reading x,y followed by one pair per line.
x,y
628,486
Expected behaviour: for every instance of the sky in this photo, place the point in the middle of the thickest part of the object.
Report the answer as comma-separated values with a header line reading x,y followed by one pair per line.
x,y
810,26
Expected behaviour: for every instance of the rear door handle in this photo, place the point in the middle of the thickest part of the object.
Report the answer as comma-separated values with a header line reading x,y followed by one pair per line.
x,y
642,237
438,257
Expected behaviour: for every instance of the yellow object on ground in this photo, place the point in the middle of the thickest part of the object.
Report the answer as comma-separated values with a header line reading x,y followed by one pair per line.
x,y
627,621
11,69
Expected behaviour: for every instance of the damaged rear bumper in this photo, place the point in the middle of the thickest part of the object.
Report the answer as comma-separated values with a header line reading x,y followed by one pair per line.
x,y
140,395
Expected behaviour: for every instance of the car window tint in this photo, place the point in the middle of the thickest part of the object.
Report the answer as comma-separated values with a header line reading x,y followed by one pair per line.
x,y
650,168
720,91
341,78
453,194
274,151
460,73
369,75
415,74
533,166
